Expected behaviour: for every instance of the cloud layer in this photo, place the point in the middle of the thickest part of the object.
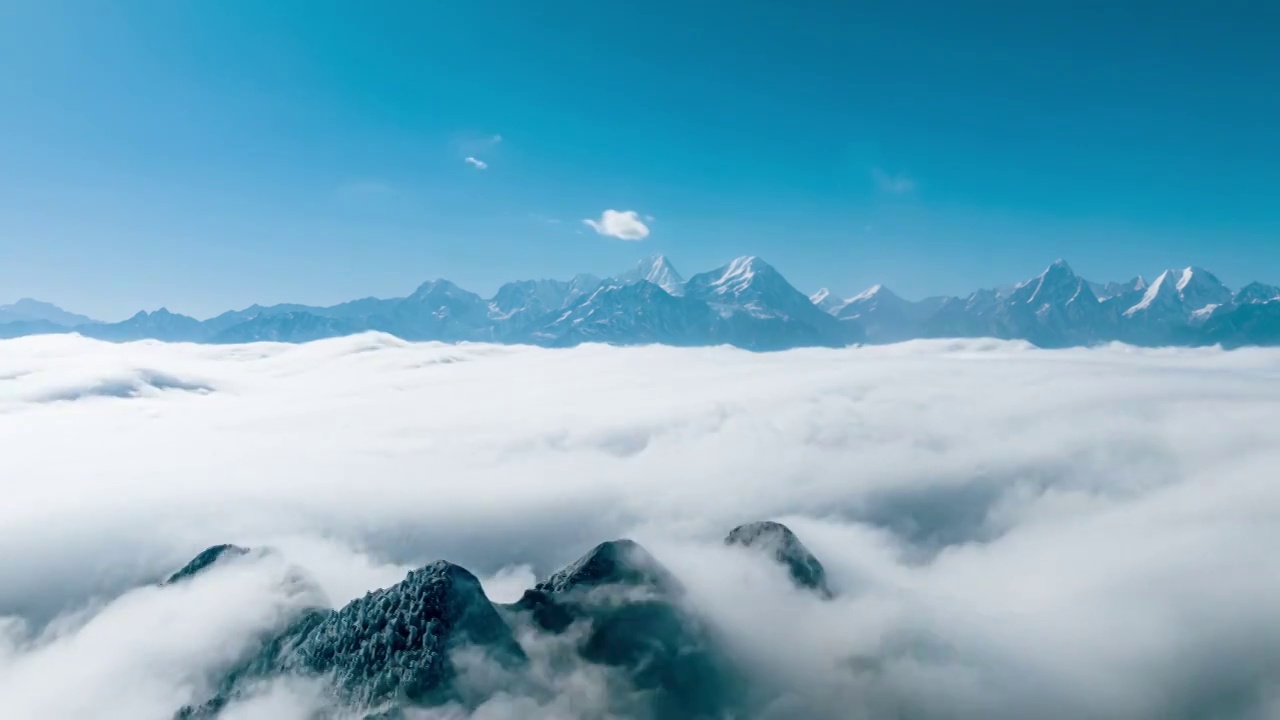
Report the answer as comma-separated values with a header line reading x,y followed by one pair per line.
x,y
620,224
1012,532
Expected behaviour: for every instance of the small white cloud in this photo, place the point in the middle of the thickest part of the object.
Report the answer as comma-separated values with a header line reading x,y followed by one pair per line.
x,y
495,139
479,164
896,184
621,224
649,218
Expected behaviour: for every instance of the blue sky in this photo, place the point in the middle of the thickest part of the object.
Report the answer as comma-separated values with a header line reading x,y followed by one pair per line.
x,y
207,155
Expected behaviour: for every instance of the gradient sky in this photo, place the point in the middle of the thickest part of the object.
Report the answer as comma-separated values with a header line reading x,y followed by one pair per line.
x,y
208,155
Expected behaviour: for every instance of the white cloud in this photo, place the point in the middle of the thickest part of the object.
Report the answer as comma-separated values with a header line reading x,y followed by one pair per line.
x,y
895,184
478,164
621,224
1004,548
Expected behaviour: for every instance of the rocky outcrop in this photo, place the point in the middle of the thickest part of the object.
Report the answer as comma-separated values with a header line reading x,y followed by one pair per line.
x,y
783,546
616,608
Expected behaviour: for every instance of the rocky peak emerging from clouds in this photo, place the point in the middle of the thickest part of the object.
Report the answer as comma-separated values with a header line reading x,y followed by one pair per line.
x,y
783,546
396,649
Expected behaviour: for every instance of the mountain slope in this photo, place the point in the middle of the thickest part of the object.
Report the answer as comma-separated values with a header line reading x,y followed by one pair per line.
x,y
765,312
159,325
659,271
36,311
629,314
883,315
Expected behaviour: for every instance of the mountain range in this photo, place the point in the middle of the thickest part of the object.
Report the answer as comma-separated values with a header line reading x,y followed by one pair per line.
x,y
746,303
616,614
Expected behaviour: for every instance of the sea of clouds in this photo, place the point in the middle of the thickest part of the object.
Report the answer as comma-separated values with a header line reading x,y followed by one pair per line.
x,y
1013,532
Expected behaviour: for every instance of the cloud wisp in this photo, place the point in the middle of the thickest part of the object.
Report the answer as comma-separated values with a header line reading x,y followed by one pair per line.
x,y
620,224
1000,547
475,163
893,183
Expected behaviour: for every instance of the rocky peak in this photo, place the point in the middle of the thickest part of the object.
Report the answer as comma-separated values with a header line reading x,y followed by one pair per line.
x,y
783,546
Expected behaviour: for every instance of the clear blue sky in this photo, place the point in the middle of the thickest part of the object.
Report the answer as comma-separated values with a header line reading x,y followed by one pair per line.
x,y
207,155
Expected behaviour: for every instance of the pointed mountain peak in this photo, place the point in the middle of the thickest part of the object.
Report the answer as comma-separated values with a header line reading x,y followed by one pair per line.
x,y
741,271
1162,291
1058,267
825,301
617,562
659,271
874,292
205,559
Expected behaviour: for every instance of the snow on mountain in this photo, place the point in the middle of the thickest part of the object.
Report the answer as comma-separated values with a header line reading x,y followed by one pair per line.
x,y
1160,298
1056,308
1175,294
528,297
825,301
747,303
1198,288
884,315
438,310
750,285
1257,292
1106,291
28,310
637,312
749,290
659,271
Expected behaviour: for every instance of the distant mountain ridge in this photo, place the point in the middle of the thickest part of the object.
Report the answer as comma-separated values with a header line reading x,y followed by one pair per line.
x,y
746,303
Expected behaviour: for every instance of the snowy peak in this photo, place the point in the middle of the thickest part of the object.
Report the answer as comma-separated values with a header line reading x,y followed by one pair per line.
x,y
1058,285
1160,295
875,292
736,277
659,271
752,286
824,300
1199,288
1107,291
1180,293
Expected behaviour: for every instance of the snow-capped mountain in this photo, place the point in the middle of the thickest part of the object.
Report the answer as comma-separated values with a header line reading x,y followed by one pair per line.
x,y
755,300
884,315
659,271
438,310
635,312
1108,290
1057,308
825,300
746,303
1257,292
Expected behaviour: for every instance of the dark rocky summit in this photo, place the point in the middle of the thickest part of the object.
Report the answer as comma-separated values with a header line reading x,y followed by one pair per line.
x,y
205,560
783,545
616,607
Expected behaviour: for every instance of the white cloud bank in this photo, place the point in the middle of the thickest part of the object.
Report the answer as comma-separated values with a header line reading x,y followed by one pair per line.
x,y
620,224
1015,532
